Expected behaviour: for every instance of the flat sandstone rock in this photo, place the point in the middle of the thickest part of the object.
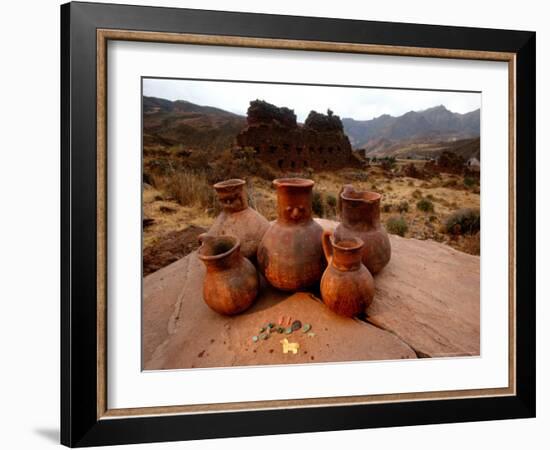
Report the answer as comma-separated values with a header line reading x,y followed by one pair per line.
x,y
426,304
428,296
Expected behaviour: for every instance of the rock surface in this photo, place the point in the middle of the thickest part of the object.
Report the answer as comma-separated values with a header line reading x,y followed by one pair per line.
x,y
426,304
428,296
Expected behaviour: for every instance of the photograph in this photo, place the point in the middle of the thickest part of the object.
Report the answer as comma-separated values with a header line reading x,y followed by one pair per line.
x,y
287,223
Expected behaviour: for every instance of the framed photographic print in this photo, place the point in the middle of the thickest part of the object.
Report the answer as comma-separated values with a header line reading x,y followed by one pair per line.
x,y
276,224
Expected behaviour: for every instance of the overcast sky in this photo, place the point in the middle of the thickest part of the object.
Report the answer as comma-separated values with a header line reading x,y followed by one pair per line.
x,y
357,103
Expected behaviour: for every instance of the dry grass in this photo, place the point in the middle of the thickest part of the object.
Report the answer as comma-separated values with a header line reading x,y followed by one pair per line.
x,y
168,215
191,195
188,188
471,244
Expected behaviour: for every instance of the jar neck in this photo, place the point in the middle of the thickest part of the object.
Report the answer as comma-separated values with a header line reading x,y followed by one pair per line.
x,y
294,205
346,260
219,252
361,215
233,201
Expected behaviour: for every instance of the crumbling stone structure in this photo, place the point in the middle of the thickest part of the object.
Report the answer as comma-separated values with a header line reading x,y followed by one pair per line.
x,y
278,140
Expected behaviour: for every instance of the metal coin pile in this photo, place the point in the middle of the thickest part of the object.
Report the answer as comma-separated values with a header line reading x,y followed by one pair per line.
x,y
284,326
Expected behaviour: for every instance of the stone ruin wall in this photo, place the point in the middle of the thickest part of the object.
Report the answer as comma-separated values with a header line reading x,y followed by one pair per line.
x,y
279,141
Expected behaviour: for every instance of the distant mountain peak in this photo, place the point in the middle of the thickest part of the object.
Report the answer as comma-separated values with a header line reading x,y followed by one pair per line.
x,y
441,110
436,122
438,108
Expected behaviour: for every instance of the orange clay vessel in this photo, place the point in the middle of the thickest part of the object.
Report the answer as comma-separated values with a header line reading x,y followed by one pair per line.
x,y
231,283
347,287
237,218
290,255
360,215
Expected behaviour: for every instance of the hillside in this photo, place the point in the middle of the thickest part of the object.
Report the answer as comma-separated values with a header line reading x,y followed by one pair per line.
x,y
422,148
467,149
433,124
184,124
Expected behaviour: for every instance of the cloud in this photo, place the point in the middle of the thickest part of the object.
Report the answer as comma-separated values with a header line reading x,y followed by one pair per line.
x,y
359,103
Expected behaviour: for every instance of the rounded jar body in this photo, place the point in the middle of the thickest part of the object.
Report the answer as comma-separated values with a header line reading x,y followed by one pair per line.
x,y
360,217
347,286
290,255
231,283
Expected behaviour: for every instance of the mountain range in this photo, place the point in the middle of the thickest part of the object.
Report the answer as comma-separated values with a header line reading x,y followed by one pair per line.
x,y
168,123
437,123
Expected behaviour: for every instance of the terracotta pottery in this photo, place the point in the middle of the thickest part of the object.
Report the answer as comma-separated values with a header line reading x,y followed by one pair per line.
x,y
237,218
231,283
360,216
291,255
347,287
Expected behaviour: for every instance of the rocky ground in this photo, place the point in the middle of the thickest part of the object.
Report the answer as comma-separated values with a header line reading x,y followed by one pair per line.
x,y
426,305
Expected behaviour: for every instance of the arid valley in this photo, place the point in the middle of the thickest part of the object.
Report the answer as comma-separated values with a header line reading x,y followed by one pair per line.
x,y
430,188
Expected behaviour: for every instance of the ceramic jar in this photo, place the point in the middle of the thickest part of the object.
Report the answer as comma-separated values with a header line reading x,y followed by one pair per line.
x,y
347,287
360,217
290,255
237,218
231,283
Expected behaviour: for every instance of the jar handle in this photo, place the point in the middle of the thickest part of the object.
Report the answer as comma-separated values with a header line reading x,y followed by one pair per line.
x,y
327,245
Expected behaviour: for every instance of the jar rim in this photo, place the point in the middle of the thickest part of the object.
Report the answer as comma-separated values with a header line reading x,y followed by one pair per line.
x,y
229,184
361,196
347,244
227,244
293,182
